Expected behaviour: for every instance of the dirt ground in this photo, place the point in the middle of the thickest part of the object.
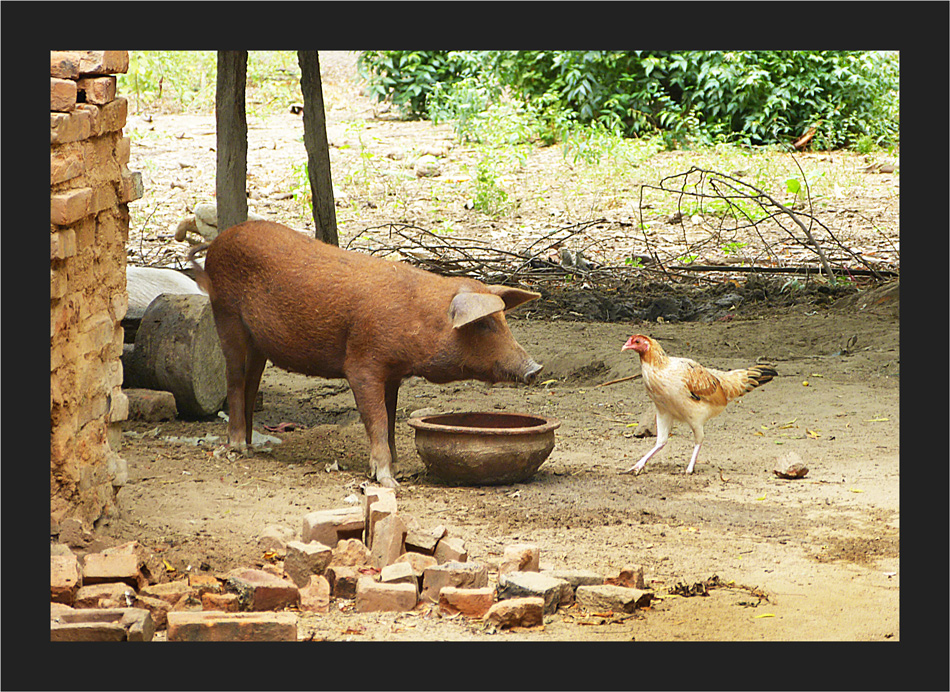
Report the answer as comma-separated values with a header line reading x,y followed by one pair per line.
x,y
811,559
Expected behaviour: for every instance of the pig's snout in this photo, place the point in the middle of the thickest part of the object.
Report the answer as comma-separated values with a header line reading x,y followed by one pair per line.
x,y
532,370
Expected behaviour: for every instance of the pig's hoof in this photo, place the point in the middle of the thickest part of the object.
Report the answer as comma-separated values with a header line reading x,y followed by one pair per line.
x,y
230,453
388,482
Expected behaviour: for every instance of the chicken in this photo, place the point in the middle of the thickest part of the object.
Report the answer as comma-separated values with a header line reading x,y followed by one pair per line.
x,y
683,390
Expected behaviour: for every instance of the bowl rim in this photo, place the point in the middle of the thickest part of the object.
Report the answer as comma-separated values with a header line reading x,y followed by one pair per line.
x,y
424,423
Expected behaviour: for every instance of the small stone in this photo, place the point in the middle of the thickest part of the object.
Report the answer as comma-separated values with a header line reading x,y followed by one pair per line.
x,y
611,597
426,166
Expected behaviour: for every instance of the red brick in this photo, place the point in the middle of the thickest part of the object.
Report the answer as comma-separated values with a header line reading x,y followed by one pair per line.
x,y
350,552
69,127
329,526
171,592
112,116
220,601
631,576
377,504
306,559
68,207
64,578
125,563
64,165
517,612
469,602
151,405
221,627
343,579
451,549
156,607
62,94
131,187
98,90
64,64
112,624
461,574
521,557
103,61
315,596
389,540
259,590
203,583
109,595
372,595
418,561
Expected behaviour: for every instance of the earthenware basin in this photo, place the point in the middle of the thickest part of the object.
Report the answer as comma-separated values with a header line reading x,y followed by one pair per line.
x,y
484,448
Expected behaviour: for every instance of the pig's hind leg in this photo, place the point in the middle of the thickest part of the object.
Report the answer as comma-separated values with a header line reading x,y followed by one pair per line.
x,y
254,363
235,344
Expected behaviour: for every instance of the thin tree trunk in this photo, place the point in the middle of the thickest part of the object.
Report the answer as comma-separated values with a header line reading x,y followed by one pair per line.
x,y
318,149
231,122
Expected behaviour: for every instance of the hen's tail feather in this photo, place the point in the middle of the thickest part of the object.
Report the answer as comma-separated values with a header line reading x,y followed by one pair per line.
x,y
739,382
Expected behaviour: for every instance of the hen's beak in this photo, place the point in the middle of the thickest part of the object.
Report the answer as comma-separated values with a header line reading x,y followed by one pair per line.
x,y
627,346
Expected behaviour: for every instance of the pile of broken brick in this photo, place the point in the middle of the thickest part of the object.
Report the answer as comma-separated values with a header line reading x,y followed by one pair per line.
x,y
367,557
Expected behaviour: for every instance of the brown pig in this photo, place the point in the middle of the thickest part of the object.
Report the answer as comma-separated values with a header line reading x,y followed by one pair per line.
x,y
315,309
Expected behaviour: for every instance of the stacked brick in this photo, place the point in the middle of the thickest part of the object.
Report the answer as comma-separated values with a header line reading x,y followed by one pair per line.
x,y
90,188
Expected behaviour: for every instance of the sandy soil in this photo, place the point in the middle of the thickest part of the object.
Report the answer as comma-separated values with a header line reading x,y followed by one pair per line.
x,y
821,553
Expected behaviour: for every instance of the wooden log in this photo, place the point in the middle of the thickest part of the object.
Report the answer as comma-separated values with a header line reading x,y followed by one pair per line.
x,y
177,350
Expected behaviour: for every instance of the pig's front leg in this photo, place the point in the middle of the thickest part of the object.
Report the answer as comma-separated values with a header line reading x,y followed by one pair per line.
x,y
370,395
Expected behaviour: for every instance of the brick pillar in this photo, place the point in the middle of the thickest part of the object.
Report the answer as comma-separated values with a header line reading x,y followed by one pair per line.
x,y
90,188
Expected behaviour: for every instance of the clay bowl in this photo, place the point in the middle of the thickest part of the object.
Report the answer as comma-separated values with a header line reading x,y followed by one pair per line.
x,y
484,448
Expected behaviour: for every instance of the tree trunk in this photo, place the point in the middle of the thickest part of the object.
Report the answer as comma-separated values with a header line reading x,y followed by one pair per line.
x,y
318,149
231,122
177,350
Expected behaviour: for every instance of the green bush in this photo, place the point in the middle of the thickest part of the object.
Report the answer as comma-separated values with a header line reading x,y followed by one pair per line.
x,y
748,97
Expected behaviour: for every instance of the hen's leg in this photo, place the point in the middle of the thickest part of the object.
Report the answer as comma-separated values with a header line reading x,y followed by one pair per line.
x,y
698,435
663,424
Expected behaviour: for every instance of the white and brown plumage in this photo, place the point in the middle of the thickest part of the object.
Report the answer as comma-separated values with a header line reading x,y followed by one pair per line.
x,y
683,390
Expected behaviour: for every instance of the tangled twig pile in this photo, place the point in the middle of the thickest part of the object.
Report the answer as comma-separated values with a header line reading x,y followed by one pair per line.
x,y
541,261
738,210
742,209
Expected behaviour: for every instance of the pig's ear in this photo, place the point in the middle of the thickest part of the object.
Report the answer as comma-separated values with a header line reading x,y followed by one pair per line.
x,y
513,297
468,307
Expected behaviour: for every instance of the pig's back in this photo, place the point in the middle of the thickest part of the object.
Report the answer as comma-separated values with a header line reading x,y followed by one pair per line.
x,y
308,305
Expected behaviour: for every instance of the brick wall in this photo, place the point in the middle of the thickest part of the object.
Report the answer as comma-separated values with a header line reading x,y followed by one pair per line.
x,y
90,188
